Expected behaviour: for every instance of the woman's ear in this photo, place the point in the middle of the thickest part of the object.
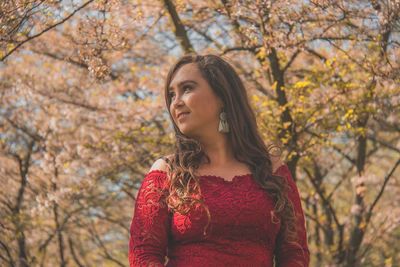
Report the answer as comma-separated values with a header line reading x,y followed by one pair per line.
x,y
220,103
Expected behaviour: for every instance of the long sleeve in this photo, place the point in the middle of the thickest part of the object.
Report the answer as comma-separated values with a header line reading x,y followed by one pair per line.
x,y
150,223
287,254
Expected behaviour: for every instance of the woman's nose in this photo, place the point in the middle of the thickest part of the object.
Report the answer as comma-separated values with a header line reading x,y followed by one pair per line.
x,y
177,102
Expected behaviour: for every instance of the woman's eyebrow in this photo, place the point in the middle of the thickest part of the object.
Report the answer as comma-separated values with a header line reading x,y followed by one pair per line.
x,y
182,83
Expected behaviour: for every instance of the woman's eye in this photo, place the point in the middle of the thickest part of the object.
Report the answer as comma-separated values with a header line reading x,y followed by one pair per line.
x,y
184,89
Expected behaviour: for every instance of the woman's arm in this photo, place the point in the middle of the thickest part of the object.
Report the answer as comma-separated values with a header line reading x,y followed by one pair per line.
x,y
150,223
287,254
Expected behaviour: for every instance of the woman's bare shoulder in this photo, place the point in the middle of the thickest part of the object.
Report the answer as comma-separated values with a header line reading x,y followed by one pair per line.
x,y
276,163
160,164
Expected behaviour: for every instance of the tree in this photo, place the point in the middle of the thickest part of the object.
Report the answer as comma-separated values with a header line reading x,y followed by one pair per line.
x,y
82,116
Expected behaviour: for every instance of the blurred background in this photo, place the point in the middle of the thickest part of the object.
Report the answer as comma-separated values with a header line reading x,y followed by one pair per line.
x,y
82,117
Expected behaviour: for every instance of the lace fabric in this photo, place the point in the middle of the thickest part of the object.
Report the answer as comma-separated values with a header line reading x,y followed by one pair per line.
x,y
241,232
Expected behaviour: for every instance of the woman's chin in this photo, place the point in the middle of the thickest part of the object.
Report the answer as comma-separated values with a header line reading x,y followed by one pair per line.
x,y
186,131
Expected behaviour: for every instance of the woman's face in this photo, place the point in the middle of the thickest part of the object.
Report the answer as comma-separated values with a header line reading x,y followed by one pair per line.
x,y
191,94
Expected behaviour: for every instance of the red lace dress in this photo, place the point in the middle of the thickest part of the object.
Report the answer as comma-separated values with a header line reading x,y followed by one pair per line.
x,y
240,233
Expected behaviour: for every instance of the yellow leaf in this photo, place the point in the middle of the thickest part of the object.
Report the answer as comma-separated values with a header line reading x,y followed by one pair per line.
x,y
389,262
262,53
301,84
312,119
286,124
329,62
273,87
10,47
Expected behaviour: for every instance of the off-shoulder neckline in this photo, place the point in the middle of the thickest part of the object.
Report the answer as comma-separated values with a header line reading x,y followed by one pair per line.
x,y
234,178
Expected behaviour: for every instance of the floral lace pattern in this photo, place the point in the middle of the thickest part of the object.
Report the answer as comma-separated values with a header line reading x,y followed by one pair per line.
x,y
241,232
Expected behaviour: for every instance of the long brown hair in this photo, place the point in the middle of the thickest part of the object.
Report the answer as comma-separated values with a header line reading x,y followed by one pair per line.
x,y
247,144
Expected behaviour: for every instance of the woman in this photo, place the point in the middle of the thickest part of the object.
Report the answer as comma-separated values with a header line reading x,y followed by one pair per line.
x,y
220,199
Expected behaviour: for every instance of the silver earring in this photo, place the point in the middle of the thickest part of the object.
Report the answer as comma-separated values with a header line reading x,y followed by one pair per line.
x,y
223,123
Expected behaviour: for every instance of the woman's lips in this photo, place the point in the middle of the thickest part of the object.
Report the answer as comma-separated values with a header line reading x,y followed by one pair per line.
x,y
183,115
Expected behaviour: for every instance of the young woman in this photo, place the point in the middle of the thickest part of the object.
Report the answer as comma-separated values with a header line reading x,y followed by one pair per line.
x,y
221,199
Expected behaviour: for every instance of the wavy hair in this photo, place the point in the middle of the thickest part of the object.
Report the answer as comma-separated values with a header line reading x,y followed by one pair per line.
x,y
246,141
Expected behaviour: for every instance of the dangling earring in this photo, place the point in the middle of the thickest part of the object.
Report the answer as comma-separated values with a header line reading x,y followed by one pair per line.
x,y
223,123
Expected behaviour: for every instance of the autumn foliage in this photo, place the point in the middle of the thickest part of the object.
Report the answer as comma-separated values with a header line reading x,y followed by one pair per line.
x,y
82,117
